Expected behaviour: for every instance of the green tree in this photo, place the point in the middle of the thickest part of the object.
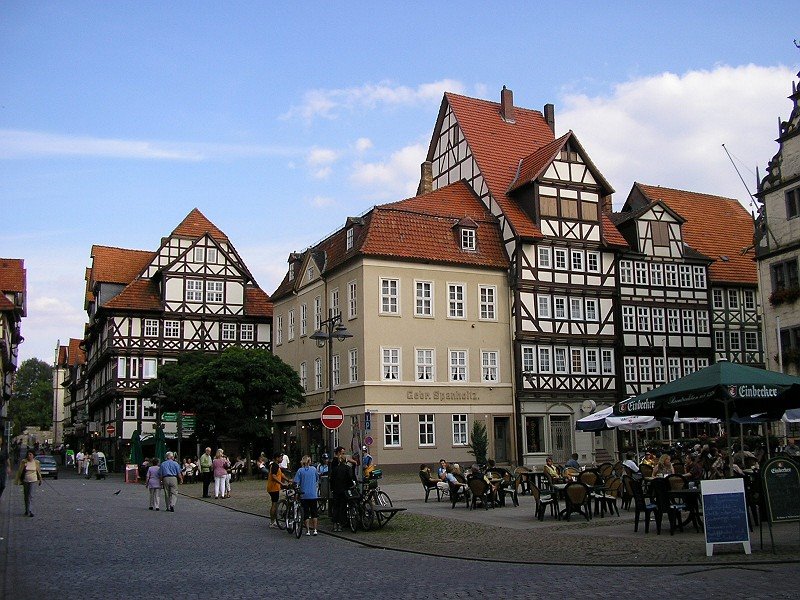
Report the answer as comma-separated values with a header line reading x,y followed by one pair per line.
x,y
480,442
31,402
232,394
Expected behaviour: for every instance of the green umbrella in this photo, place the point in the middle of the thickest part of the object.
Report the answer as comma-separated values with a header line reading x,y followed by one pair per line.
x,y
136,448
161,444
719,391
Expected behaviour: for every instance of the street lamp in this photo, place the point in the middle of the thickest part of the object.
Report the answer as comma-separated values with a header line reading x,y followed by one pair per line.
x,y
330,329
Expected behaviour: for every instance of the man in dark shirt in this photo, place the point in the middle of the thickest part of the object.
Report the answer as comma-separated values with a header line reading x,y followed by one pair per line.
x,y
341,479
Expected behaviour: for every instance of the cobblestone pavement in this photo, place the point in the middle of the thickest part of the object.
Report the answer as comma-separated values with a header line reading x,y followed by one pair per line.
x,y
88,541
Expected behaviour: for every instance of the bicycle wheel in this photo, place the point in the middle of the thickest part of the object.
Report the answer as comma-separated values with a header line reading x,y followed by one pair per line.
x,y
367,515
353,517
283,511
298,520
382,499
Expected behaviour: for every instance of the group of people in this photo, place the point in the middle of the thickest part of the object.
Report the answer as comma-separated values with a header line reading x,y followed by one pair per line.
x,y
163,476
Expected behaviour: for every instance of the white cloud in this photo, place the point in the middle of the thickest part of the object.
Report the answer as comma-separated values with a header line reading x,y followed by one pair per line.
x,y
392,179
27,144
321,156
669,129
322,201
328,103
363,144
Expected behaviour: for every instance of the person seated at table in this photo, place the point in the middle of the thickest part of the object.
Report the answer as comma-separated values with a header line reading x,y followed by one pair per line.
x,y
631,464
663,466
450,475
441,472
550,468
572,463
692,467
736,469
719,467
649,459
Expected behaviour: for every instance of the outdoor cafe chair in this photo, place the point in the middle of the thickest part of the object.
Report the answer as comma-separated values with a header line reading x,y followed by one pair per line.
x,y
429,485
606,470
617,469
590,478
676,482
543,500
607,496
646,470
481,492
673,507
576,499
642,505
458,493
522,480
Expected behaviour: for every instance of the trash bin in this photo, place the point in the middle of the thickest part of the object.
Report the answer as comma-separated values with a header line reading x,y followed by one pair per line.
x,y
131,474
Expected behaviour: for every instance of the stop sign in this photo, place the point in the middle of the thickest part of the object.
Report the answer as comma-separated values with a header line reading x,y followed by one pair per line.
x,y
110,429
332,416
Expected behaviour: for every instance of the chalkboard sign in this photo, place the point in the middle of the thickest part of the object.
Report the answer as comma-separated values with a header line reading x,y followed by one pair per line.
x,y
780,479
725,513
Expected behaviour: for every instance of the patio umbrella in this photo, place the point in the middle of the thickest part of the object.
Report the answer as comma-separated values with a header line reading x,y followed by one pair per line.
x,y
161,444
605,419
136,449
719,390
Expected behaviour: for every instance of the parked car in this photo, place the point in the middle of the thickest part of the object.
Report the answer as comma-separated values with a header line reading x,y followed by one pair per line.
x,y
48,465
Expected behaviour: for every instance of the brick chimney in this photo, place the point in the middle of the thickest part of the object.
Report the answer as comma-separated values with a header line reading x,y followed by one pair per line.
x,y
426,178
507,105
550,116
606,205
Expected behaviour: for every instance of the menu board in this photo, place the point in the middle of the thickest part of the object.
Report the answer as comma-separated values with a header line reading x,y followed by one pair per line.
x,y
780,479
725,513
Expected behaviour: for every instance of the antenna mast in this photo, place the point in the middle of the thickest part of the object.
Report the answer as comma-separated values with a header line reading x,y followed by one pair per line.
x,y
730,158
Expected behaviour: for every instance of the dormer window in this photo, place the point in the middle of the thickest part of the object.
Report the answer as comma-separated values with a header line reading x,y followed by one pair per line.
x,y
291,272
350,237
211,255
468,239
199,254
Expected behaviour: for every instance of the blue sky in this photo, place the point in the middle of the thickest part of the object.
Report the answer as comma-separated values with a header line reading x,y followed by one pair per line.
x,y
280,120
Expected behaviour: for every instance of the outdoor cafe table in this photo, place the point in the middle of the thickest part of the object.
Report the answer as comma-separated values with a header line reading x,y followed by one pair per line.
x,y
691,498
559,488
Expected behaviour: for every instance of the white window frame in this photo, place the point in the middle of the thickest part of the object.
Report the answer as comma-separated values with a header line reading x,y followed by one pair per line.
x,y
199,254
751,341
303,319
658,320
749,299
172,329
543,306
427,430
671,275
576,260
291,325
528,359
628,318
247,332
228,332
576,364
425,367
686,277
457,301
458,365
560,308
592,310
717,299
122,367
391,430
641,273
645,372
390,363
687,321
336,370
560,259
545,257
699,277
643,318
194,290
733,299
352,300
592,262
352,365
487,302
702,322
130,408
317,313
673,320
304,376
576,309
149,368
560,360
151,328
735,341
625,272
544,357
607,361
279,330
460,429
389,289
592,361
469,239
674,366
350,238
490,366
659,369
630,369
317,373
423,299
689,366
211,256
720,344
657,274
214,292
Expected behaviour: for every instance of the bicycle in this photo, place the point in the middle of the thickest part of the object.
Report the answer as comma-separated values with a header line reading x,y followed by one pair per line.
x,y
294,512
363,499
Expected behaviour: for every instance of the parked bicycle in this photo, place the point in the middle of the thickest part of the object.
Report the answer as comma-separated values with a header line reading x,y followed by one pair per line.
x,y
290,512
363,499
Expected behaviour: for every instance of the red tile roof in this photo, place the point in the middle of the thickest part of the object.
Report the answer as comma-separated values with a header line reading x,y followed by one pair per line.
x,y
117,265
12,275
611,234
498,146
77,356
256,302
418,229
195,225
715,226
142,294
534,164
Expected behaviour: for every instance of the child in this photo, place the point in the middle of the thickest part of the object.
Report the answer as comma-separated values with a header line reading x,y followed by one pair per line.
x,y
153,482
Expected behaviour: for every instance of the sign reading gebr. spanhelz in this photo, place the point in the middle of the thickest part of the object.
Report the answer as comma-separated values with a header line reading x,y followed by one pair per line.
x,y
780,479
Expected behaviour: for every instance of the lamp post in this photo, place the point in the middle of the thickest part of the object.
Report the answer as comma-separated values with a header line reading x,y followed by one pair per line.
x,y
330,329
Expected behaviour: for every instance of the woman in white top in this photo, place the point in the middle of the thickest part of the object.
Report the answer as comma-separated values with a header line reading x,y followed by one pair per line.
x,y
29,474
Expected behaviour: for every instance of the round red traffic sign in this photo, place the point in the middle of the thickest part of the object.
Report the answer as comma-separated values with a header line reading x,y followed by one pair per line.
x,y
110,429
332,416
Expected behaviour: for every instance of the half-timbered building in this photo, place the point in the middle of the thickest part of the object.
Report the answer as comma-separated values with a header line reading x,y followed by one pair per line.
x,y
194,293
663,307
12,309
551,202
69,392
778,245
722,230
421,285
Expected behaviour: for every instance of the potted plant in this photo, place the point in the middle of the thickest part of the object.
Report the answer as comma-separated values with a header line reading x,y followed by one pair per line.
x,y
480,442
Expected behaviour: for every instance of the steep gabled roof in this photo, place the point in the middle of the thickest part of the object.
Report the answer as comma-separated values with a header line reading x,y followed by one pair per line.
x,y
12,275
117,265
256,302
498,146
76,355
142,294
418,229
195,224
718,227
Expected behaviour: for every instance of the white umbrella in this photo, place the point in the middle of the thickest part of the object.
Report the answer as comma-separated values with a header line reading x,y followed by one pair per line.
x,y
633,424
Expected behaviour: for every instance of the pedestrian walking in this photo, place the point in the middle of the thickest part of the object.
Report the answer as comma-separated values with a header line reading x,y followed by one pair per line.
x,y
29,473
5,465
275,481
340,479
206,467
307,479
170,472
153,482
220,464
